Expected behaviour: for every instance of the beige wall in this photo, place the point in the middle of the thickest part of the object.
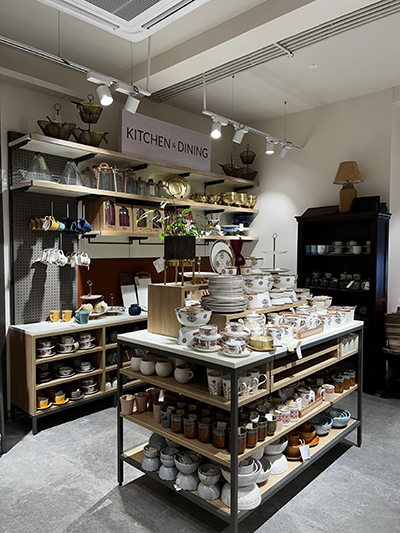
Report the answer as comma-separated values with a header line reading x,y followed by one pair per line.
x,y
357,129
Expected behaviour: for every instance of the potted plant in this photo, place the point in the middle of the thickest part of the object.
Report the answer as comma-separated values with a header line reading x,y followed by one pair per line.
x,y
179,231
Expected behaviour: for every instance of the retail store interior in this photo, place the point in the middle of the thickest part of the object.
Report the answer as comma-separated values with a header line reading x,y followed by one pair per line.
x,y
259,140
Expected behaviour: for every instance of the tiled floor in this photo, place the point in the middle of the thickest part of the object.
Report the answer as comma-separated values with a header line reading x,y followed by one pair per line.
x,y
64,479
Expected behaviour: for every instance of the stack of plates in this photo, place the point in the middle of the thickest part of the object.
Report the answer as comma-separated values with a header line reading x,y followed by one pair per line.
x,y
226,294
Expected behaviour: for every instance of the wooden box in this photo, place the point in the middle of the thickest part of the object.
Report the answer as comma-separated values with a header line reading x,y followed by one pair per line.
x,y
162,301
101,213
124,217
152,223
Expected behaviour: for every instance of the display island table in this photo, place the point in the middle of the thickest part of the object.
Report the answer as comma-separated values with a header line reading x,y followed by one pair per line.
x,y
281,367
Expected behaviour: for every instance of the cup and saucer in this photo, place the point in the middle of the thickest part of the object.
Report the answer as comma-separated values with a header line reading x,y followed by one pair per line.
x,y
76,394
85,370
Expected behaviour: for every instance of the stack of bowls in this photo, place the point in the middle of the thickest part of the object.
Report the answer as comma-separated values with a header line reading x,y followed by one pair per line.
x,y
249,495
209,475
340,417
168,470
274,454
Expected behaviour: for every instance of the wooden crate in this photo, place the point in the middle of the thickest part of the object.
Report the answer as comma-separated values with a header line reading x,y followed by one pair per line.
x,y
124,217
162,301
152,225
101,213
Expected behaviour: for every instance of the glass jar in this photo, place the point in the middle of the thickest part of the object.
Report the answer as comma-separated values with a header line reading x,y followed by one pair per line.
x,y
105,178
141,187
130,181
89,177
162,189
119,180
151,188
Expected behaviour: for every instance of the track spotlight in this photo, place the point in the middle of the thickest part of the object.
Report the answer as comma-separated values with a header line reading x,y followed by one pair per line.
x,y
284,151
104,94
240,132
270,149
131,104
216,130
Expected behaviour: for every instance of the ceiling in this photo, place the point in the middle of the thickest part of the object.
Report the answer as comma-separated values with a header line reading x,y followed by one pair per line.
x,y
352,63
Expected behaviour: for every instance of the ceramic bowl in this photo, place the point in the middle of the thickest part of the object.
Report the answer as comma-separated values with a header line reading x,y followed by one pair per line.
x,y
157,439
188,469
243,479
258,455
284,281
151,451
279,463
320,302
193,316
258,283
187,481
322,423
208,492
167,456
151,464
340,417
246,466
307,436
277,446
208,479
167,473
249,497
266,468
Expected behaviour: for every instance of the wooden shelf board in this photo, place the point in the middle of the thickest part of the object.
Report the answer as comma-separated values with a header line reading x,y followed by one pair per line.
x,y
133,383
69,149
59,357
155,235
349,354
293,465
109,368
75,402
196,389
297,362
303,373
111,345
223,456
137,455
60,381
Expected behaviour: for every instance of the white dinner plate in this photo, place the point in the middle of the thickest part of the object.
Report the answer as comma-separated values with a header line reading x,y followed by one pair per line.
x,y
221,256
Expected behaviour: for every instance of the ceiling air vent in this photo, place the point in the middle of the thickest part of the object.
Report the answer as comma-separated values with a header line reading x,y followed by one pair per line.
x,y
133,20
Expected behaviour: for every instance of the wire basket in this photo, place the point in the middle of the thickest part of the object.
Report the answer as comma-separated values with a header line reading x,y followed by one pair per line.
x,y
89,111
59,131
247,156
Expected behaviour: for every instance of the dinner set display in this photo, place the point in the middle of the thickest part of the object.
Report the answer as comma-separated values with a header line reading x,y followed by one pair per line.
x,y
225,294
191,319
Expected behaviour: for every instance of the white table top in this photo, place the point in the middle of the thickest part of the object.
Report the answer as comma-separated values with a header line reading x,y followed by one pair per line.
x,y
169,344
54,328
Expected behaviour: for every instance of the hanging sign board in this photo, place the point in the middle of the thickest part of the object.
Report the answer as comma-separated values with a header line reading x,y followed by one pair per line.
x,y
154,139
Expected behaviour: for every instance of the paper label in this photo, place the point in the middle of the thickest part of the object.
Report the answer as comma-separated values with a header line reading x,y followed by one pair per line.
x,y
305,452
298,351
348,286
159,264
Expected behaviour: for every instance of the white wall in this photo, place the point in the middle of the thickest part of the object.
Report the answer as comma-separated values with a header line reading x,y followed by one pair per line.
x,y
356,129
394,248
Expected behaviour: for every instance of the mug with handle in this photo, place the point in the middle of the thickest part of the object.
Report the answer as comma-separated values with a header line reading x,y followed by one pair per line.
x,y
82,317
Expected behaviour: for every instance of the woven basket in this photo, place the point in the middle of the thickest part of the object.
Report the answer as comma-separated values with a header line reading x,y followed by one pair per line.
x,y
392,327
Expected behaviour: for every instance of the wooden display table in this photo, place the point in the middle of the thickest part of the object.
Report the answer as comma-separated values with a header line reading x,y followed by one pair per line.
x,y
282,368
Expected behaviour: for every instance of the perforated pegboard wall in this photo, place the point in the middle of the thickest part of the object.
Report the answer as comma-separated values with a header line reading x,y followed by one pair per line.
x,y
21,159
39,288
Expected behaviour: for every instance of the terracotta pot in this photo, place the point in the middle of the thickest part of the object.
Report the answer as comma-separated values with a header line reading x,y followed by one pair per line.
x,y
126,405
141,401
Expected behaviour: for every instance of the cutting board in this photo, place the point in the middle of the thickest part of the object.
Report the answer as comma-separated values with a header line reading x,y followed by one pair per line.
x,y
129,295
142,283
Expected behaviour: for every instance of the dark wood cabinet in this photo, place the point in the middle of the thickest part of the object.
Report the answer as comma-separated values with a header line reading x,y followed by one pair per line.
x,y
370,304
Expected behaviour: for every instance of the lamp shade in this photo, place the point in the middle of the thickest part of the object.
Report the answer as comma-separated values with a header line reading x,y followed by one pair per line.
x,y
348,172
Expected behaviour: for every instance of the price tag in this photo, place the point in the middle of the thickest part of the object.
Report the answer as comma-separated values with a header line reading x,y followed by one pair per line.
x,y
159,264
305,452
348,286
298,351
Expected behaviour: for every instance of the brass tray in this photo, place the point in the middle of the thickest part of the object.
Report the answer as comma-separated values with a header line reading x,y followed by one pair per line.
x,y
177,186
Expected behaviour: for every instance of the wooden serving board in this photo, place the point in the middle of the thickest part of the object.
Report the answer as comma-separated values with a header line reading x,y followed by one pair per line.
x,y
305,410
309,332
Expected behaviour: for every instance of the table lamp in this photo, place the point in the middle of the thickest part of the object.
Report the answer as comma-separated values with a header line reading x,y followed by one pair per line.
x,y
348,173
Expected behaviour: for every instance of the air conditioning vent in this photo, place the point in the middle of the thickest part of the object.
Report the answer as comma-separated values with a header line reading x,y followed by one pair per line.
x,y
133,20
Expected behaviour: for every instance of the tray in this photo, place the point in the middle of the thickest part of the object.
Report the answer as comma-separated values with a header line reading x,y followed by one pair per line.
x,y
305,410
309,332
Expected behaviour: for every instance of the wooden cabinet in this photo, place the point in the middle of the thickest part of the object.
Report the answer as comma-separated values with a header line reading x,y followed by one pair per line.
x,y
24,361
370,304
320,351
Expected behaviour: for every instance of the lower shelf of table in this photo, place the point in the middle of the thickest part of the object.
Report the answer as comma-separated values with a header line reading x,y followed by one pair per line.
x,y
222,456
86,398
135,456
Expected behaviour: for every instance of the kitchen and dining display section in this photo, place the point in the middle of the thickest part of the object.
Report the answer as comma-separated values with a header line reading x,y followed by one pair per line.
x,y
254,468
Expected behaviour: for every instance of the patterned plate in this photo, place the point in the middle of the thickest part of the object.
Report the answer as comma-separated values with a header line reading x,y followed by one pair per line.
x,y
221,256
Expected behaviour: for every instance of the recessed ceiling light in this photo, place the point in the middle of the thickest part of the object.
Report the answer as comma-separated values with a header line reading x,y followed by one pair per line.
x,y
313,66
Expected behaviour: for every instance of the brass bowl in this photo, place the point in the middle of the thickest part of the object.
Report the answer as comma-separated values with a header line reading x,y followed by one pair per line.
x,y
251,201
213,198
198,197
241,199
228,198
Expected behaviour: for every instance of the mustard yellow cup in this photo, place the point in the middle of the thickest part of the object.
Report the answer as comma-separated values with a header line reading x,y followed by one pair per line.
x,y
54,316
66,315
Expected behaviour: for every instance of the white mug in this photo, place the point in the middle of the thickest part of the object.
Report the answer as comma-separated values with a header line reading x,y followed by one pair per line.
x,y
329,393
322,249
357,250
214,379
183,373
